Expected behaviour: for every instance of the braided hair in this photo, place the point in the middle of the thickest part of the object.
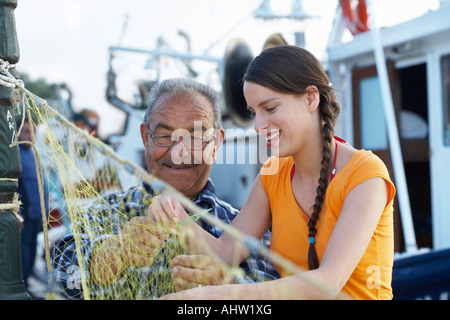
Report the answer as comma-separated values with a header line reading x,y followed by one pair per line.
x,y
291,69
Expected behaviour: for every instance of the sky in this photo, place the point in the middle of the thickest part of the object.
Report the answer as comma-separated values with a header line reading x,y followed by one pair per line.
x,y
68,40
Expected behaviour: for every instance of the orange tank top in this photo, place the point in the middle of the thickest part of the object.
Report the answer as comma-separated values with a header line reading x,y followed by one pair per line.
x,y
372,277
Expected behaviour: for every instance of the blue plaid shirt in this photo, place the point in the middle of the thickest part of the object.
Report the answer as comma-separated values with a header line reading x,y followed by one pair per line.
x,y
66,272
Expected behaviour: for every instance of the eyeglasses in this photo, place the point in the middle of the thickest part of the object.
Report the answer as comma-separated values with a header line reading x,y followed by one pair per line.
x,y
191,142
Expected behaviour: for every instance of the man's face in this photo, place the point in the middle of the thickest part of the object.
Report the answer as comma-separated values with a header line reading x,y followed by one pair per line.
x,y
184,169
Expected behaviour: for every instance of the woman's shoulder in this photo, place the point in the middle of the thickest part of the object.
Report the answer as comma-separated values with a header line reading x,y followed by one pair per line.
x,y
367,159
363,165
352,158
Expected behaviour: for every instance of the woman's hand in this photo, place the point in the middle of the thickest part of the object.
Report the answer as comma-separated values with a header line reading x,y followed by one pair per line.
x,y
222,292
190,271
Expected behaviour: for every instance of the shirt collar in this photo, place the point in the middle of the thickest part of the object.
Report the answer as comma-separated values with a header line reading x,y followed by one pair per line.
x,y
208,195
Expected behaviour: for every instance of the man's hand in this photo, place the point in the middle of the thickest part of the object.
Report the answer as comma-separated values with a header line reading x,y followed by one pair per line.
x,y
142,240
137,245
198,270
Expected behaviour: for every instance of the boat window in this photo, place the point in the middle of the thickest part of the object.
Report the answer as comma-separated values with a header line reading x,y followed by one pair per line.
x,y
373,127
445,64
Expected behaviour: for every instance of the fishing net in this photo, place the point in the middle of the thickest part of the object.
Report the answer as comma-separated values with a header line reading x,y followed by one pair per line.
x,y
80,170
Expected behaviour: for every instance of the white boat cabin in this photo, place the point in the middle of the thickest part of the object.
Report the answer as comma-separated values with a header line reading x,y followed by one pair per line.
x,y
417,56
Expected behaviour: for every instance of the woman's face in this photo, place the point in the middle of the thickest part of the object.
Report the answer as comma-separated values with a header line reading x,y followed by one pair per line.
x,y
285,120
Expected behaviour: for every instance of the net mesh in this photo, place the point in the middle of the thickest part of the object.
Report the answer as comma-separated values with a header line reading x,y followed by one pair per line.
x,y
80,170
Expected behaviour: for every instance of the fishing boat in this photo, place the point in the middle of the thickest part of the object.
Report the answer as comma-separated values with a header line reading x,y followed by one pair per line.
x,y
393,86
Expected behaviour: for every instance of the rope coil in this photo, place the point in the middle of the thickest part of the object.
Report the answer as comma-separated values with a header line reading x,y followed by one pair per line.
x,y
13,206
6,78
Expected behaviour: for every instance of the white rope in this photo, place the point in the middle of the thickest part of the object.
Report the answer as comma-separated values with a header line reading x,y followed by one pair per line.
x,y
6,78
9,179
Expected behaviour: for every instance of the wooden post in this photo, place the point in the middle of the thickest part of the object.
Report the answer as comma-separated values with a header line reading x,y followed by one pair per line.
x,y
12,286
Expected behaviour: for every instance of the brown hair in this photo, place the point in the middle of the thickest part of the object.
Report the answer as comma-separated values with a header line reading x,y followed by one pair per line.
x,y
291,69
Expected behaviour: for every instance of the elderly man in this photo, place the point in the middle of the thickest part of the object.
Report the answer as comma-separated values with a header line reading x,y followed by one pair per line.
x,y
182,132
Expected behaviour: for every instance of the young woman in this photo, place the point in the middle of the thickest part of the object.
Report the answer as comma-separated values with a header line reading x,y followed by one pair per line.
x,y
330,205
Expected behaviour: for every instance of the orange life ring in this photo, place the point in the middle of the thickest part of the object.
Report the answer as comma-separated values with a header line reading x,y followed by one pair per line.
x,y
356,23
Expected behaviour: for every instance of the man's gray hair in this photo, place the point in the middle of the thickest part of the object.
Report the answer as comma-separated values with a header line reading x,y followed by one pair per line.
x,y
179,87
